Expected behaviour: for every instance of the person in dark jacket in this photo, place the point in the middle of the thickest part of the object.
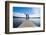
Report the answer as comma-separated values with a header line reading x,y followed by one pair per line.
x,y
27,16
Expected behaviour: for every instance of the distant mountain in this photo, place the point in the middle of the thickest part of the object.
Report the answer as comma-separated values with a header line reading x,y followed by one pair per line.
x,y
25,17
18,17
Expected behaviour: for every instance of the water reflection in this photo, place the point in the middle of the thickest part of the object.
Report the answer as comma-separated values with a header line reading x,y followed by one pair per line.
x,y
19,21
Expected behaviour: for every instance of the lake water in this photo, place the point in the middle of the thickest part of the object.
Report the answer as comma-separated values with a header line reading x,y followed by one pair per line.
x,y
18,21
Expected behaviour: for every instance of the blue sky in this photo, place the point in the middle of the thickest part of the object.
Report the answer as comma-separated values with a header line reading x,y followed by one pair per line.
x,y
22,10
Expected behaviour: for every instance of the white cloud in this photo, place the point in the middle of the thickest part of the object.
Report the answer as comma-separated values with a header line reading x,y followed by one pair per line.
x,y
35,13
23,15
19,14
